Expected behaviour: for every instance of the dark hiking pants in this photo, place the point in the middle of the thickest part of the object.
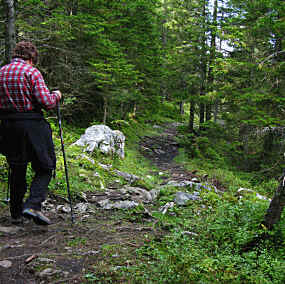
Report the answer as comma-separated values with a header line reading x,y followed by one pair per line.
x,y
18,188
28,140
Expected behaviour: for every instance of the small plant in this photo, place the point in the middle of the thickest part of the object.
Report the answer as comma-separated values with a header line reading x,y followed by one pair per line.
x,y
91,277
77,242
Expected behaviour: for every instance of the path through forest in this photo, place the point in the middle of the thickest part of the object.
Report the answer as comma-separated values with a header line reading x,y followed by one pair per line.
x,y
100,242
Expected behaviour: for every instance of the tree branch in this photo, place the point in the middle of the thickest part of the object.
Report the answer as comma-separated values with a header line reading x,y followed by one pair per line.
x,y
271,56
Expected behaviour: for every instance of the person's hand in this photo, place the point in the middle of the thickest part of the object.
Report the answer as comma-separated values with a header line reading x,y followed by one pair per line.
x,y
58,93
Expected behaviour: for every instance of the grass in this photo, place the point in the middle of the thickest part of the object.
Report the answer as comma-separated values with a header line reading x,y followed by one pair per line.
x,y
203,241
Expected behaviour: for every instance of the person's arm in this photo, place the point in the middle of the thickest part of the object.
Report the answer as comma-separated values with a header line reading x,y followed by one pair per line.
x,y
44,97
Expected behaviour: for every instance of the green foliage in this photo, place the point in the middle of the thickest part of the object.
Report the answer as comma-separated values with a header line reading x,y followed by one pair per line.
x,y
210,254
204,239
103,56
86,175
254,97
209,144
250,149
77,242
131,63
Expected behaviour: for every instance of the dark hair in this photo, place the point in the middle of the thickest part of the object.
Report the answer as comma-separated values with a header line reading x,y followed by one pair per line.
x,y
26,50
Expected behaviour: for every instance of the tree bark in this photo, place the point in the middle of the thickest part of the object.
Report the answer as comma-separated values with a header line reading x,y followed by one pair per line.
x,y
10,33
181,107
105,110
276,206
164,35
212,59
203,65
191,117
74,8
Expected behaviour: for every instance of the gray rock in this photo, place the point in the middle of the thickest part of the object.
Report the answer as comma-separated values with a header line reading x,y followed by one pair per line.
x,y
84,196
159,151
105,139
123,204
259,196
105,204
183,183
123,190
181,198
192,184
164,208
65,274
83,156
5,263
91,252
48,272
45,260
126,176
48,206
84,217
81,207
154,193
157,126
63,208
105,167
10,230
139,194
192,234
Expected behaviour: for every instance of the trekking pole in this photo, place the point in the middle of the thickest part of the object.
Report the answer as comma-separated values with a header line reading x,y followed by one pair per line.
x,y
64,160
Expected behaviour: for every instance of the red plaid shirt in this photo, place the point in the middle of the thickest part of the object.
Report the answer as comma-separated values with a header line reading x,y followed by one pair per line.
x,y
22,88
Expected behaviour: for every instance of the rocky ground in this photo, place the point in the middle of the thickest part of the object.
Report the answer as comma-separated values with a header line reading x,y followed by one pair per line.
x,y
102,239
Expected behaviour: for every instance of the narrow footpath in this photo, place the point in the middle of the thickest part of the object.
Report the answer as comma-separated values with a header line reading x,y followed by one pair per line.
x,y
97,245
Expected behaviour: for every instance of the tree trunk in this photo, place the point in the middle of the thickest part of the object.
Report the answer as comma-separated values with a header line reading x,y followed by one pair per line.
x,y
279,58
216,110
105,110
74,8
164,36
203,65
276,206
181,107
202,114
10,33
208,111
191,117
212,59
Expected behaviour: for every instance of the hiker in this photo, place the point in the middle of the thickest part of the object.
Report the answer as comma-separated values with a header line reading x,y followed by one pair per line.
x,y
26,135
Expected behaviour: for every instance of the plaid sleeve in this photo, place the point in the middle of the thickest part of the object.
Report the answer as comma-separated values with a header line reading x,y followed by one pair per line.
x,y
41,92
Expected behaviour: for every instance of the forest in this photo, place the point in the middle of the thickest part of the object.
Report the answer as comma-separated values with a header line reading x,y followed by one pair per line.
x,y
213,68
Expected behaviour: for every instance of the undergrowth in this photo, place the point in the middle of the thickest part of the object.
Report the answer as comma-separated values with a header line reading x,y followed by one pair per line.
x,y
205,245
204,240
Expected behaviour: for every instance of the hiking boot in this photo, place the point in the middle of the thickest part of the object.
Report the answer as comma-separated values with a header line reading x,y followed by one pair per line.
x,y
38,217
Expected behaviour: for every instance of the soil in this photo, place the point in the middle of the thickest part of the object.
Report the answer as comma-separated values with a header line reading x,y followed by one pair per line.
x,y
96,246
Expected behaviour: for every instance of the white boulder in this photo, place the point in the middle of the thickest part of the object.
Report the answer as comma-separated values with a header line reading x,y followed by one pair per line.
x,y
105,139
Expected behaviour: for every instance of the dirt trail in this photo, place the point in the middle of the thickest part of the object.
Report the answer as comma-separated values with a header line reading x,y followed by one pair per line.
x,y
162,150
96,247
